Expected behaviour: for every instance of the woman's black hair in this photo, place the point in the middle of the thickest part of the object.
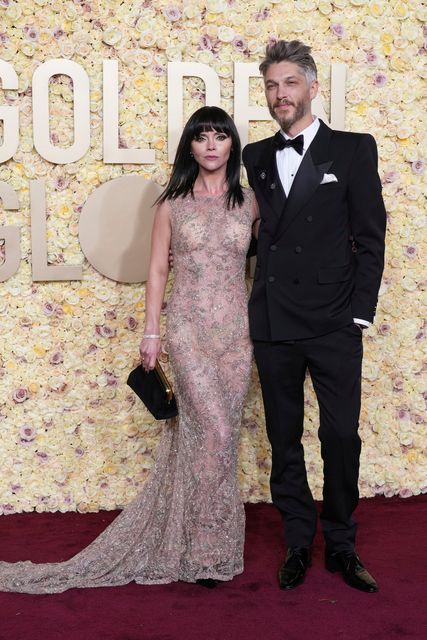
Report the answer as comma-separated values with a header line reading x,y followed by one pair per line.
x,y
185,168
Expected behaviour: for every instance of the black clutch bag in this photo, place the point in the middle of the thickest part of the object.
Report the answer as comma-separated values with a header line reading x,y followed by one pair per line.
x,y
155,391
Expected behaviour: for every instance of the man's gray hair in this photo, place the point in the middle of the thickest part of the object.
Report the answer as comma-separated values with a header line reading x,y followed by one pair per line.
x,y
290,51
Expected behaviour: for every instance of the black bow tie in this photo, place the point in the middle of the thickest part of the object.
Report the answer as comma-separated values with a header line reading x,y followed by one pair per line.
x,y
297,143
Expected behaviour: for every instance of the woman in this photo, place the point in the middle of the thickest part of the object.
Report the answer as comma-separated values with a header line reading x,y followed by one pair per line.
x,y
188,521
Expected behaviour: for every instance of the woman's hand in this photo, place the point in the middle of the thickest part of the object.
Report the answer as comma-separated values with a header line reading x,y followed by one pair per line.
x,y
255,228
149,350
256,219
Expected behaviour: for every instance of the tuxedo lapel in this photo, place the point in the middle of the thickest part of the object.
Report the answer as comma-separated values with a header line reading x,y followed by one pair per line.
x,y
308,177
268,182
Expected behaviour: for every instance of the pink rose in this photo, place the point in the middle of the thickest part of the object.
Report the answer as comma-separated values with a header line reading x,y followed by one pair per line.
x,y
110,314
20,394
371,58
403,414
27,433
338,30
32,34
61,183
398,384
56,358
57,32
105,331
48,308
172,13
262,15
48,422
205,43
8,509
239,44
158,70
384,329
418,167
410,251
131,323
417,418
26,322
380,79
112,380
391,176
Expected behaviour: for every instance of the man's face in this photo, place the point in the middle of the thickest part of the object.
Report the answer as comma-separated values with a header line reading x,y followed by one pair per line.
x,y
288,94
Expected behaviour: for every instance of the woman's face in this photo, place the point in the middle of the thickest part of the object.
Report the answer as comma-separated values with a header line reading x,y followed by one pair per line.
x,y
211,150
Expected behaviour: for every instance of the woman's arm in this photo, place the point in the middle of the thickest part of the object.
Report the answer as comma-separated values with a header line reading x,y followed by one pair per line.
x,y
156,285
255,217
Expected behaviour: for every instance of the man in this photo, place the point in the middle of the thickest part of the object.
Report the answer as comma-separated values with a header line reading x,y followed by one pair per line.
x,y
319,265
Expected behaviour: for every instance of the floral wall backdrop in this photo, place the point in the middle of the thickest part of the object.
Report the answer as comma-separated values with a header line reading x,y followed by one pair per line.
x,y
72,435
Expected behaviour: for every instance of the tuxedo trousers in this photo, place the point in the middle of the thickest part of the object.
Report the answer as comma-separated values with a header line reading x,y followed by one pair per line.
x,y
334,362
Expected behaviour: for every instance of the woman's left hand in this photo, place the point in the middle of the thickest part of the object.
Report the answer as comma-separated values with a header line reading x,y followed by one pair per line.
x,y
149,350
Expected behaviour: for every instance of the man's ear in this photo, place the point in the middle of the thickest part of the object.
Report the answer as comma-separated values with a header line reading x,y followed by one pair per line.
x,y
314,89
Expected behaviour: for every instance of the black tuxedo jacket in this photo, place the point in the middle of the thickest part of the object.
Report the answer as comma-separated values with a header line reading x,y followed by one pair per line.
x,y
320,252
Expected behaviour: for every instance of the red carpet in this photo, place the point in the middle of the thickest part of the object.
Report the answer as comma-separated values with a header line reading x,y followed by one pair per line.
x,y
391,541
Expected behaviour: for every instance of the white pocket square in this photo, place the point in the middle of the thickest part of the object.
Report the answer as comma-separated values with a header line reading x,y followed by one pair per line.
x,y
328,177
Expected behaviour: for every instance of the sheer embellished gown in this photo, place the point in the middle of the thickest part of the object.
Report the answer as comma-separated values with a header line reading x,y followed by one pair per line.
x,y
187,522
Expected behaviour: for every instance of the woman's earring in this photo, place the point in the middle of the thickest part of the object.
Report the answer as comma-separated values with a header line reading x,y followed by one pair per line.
x,y
191,154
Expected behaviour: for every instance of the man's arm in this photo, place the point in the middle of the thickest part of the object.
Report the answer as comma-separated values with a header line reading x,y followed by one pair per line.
x,y
368,223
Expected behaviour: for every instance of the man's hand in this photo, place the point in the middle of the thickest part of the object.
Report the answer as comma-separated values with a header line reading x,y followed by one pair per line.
x,y
170,259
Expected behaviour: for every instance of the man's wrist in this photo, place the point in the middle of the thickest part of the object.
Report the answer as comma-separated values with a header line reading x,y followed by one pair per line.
x,y
363,324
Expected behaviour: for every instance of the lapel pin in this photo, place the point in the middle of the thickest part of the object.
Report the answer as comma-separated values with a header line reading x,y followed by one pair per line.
x,y
273,185
263,175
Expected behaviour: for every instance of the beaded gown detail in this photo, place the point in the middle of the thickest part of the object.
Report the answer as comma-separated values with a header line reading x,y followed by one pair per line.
x,y
187,522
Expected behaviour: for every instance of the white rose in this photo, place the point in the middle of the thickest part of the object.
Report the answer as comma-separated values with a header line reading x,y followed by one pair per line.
x,y
112,36
226,34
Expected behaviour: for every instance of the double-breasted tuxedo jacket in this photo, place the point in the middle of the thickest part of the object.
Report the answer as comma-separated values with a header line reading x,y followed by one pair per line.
x,y
320,250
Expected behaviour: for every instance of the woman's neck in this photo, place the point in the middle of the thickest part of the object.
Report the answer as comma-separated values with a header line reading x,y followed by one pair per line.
x,y
208,183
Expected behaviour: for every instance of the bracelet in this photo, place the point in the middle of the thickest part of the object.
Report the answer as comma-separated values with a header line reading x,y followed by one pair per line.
x,y
151,336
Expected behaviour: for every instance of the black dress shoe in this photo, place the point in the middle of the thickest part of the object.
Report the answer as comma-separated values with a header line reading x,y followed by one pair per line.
x,y
209,583
292,571
352,570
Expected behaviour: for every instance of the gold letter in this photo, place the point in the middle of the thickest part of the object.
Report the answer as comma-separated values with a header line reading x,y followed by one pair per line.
x,y
41,269
11,235
115,227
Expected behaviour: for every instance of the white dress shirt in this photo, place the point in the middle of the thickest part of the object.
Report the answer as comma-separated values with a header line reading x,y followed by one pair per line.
x,y
288,161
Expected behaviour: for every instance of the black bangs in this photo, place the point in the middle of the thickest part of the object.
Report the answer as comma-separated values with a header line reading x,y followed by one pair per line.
x,y
185,169
213,120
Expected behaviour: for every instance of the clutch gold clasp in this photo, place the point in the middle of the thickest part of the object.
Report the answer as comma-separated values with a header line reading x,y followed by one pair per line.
x,y
165,382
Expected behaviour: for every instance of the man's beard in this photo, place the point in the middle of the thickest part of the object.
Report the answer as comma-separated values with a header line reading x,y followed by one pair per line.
x,y
286,122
